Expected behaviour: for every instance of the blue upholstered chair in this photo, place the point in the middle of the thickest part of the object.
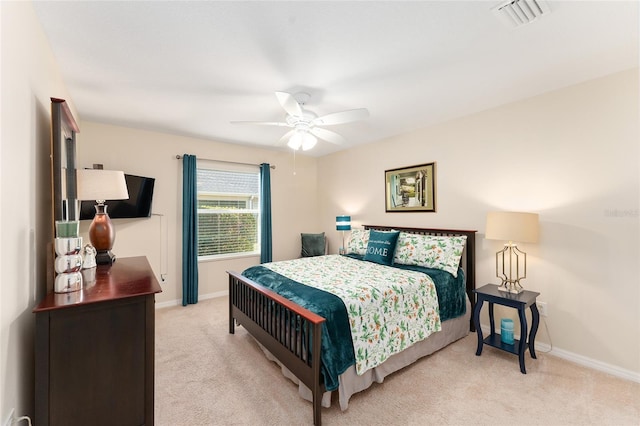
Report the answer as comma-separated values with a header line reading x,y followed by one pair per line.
x,y
314,245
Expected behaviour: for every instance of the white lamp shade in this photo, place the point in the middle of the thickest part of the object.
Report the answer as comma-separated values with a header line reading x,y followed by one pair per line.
x,y
97,184
512,226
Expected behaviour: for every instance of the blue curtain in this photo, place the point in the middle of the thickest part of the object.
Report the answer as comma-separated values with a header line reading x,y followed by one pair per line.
x,y
265,213
189,230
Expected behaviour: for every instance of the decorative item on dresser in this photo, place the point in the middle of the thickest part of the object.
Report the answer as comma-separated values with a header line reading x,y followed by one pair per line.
x,y
101,185
68,261
294,336
95,348
512,227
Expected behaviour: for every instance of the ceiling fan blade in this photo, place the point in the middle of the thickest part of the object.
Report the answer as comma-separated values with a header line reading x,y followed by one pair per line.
x,y
328,135
342,117
263,123
285,138
289,103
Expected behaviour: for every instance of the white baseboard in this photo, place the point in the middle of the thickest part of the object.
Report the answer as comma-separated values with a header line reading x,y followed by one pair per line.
x,y
178,302
579,359
596,365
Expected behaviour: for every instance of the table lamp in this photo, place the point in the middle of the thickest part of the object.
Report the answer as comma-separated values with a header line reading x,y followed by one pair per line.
x,y
512,227
343,223
101,185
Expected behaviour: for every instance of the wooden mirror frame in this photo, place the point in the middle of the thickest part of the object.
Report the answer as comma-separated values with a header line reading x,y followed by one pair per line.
x,y
63,141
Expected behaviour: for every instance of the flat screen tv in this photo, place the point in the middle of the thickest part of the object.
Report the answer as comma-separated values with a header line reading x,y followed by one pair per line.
x,y
138,205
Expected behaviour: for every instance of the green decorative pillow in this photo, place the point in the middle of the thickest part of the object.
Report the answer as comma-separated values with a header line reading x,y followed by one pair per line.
x,y
312,245
431,251
381,247
358,242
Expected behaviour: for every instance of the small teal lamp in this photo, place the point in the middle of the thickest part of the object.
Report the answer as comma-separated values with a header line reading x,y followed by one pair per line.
x,y
343,223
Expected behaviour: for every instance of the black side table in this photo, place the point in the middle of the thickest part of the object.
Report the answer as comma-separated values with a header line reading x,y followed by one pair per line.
x,y
521,302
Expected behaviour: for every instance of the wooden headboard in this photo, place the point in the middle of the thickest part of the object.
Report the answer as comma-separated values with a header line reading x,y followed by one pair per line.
x,y
467,261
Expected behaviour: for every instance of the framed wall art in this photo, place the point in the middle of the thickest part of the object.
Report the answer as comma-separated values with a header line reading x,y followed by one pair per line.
x,y
411,189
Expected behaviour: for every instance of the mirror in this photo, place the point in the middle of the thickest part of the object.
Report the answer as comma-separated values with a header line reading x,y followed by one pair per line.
x,y
63,139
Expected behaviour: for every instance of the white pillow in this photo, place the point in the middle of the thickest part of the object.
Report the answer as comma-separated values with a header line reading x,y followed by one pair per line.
x,y
358,241
430,251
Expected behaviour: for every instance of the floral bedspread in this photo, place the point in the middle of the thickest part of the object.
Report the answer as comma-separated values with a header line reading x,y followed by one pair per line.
x,y
389,309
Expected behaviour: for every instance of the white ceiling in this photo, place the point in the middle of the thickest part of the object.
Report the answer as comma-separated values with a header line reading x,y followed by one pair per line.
x,y
190,68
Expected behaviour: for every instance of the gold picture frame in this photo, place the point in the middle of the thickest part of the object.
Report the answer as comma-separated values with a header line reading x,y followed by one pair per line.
x,y
411,189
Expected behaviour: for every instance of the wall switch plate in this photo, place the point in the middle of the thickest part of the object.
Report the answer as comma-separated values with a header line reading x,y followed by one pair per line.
x,y
542,308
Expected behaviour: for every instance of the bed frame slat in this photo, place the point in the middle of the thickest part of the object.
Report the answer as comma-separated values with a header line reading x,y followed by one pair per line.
x,y
257,308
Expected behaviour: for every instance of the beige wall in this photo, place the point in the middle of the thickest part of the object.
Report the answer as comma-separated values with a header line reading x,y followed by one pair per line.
x,y
294,201
570,155
29,77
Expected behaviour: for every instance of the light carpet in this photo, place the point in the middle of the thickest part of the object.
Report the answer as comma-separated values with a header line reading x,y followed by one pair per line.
x,y
206,376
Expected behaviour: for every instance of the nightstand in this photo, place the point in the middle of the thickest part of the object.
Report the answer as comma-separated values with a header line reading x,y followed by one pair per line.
x,y
521,301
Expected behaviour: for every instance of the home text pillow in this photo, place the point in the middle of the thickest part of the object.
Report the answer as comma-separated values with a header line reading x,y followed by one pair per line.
x,y
431,251
381,247
312,244
358,242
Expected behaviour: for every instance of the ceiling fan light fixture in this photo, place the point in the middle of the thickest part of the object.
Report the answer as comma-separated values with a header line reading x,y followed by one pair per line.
x,y
302,139
295,141
308,141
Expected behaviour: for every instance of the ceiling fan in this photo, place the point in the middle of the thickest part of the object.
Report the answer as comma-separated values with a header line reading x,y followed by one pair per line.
x,y
306,125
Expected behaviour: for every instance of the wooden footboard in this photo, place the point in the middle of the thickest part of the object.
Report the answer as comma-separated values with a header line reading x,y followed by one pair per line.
x,y
286,329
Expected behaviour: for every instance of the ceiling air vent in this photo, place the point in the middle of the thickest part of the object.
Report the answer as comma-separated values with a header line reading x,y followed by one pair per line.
x,y
515,13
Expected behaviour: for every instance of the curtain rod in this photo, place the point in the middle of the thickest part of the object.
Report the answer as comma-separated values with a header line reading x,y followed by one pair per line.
x,y
230,162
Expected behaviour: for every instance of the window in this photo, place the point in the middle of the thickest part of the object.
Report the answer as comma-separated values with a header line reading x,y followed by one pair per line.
x,y
228,212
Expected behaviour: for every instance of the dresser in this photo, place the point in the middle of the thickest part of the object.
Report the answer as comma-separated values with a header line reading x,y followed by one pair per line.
x,y
94,349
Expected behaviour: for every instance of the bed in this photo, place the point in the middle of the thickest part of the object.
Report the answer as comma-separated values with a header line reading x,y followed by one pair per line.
x,y
297,337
